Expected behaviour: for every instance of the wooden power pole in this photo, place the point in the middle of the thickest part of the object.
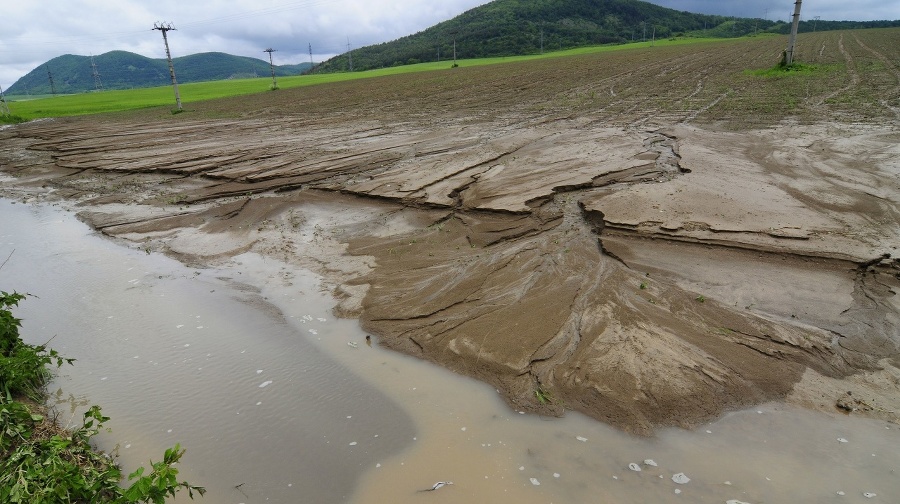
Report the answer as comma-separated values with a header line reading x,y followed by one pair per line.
x,y
165,27
272,66
789,53
50,78
4,108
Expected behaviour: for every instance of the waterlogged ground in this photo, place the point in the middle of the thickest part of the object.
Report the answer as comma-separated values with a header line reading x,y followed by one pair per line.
x,y
278,401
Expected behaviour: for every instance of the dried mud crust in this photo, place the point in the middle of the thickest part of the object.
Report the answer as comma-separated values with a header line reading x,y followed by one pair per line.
x,y
594,241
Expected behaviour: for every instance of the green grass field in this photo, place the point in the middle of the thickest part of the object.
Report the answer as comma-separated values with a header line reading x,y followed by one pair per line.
x,y
121,100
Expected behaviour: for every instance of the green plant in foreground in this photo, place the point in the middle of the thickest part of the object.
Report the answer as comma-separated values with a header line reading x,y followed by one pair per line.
x,y
39,461
543,396
11,119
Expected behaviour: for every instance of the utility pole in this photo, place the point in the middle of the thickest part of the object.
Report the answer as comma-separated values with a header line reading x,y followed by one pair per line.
x,y
454,32
50,78
815,22
311,64
349,54
789,53
542,40
272,66
98,86
4,108
164,28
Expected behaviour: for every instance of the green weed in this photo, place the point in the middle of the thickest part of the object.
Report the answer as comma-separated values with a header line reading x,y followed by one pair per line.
x,y
543,396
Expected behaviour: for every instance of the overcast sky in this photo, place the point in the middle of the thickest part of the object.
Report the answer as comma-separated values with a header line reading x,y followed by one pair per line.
x,y
36,31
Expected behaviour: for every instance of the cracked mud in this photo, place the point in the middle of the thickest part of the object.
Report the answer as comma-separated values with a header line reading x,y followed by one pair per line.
x,y
622,255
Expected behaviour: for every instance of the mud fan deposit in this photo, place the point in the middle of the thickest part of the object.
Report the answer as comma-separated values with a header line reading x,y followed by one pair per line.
x,y
651,243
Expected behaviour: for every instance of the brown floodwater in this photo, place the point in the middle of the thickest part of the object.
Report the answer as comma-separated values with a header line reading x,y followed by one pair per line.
x,y
278,401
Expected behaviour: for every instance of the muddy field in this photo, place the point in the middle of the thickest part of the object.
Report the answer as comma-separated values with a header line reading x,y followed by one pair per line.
x,y
652,236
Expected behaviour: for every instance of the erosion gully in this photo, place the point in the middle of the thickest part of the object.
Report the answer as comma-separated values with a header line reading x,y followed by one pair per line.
x,y
278,401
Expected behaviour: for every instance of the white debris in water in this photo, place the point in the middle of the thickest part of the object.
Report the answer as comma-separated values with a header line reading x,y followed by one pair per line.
x,y
199,327
463,429
377,466
842,440
259,403
349,416
841,492
353,443
104,378
680,478
259,371
556,475
351,344
128,446
869,495
735,501
265,383
169,431
677,491
580,438
135,357
313,331
179,326
320,319
634,467
709,432
534,481
727,482
615,477
187,345
521,468
650,462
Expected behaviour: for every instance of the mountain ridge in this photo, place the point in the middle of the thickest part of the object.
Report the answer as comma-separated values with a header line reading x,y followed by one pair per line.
x,y
520,27
124,70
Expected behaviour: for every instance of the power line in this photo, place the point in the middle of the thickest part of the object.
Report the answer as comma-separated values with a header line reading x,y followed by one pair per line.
x,y
50,78
164,28
272,66
350,54
4,108
98,86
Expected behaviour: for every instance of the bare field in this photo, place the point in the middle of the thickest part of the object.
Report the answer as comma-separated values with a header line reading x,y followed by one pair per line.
x,y
652,237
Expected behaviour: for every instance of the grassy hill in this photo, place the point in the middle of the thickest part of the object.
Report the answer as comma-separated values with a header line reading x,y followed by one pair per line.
x,y
519,27
126,70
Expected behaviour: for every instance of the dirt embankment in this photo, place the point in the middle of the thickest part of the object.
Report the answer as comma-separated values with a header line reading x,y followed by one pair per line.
x,y
560,229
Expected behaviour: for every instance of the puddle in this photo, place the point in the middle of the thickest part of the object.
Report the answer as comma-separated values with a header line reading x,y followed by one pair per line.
x,y
278,401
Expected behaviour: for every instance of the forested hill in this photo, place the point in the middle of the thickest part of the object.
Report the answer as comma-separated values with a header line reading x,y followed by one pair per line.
x,y
125,70
517,27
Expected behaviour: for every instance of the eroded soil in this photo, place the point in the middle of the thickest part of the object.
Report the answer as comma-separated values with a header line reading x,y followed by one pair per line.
x,y
652,237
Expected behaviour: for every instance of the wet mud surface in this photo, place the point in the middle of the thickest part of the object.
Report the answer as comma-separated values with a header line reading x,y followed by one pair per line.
x,y
650,243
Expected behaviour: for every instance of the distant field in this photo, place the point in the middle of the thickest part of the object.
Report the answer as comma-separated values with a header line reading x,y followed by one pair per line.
x,y
32,107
